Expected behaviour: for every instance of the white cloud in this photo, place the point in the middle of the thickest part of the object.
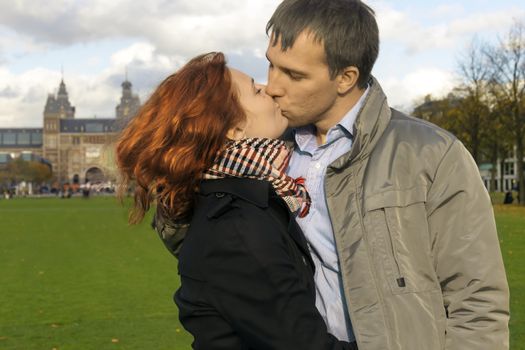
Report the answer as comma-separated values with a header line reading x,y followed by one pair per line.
x,y
404,92
411,31
495,21
24,104
23,96
447,10
166,33
173,27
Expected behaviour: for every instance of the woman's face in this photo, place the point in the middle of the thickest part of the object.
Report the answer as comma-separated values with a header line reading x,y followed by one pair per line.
x,y
264,118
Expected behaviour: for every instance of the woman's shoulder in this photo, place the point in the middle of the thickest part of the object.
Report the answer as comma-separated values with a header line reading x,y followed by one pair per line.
x,y
239,214
226,214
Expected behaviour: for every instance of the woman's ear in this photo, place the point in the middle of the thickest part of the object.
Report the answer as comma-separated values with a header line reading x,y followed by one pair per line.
x,y
347,79
238,132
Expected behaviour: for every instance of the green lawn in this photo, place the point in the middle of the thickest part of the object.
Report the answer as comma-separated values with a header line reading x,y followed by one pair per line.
x,y
511,227
74,275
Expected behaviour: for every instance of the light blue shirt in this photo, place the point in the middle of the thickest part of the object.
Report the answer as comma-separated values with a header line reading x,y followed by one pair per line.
x,y
310,162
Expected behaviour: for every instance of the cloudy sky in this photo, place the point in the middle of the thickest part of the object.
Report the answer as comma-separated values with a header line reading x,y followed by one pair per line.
x,y
95,41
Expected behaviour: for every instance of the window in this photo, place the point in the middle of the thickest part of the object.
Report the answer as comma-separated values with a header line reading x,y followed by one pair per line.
x,y
26,156
51,141
92,152
509,169
24,138
9,139
36,138
94,127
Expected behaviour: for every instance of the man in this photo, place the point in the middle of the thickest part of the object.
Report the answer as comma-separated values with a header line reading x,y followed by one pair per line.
x,y
401,227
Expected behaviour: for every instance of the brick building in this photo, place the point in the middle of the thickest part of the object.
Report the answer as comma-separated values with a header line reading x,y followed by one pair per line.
x,y
77,148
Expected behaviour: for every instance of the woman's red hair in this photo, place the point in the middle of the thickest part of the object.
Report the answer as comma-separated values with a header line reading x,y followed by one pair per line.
x,y
177,134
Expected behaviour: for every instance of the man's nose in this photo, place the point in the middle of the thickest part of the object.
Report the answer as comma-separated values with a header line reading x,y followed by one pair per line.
x,y
274,88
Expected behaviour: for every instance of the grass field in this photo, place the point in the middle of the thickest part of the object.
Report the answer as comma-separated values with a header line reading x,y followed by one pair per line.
x,y
511,228
74,275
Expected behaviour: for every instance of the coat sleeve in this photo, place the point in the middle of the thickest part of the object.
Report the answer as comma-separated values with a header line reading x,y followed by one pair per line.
x,y
172,233
467,255
256,287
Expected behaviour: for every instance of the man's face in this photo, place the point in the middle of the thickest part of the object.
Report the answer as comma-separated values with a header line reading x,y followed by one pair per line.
x,y
299,81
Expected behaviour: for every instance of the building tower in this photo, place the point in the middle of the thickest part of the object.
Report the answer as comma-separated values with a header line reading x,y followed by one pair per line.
x,y
129,103
57,107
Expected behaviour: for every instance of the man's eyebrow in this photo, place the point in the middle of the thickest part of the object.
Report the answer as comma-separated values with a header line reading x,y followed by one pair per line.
x,y
288,70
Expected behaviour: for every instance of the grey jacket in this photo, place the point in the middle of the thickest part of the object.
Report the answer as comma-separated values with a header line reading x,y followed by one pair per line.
x,y
416,238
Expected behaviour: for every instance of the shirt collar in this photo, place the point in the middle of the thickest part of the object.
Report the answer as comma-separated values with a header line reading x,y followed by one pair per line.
x,y
347,123
305,135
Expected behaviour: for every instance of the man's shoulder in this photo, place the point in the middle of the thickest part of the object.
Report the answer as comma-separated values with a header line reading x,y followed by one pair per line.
x,y
416,140
409,128
400,118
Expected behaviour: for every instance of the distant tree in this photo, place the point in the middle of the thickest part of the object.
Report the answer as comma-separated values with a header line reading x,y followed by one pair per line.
x,y
39,172
438,111
473,109
20,170
507,63
4,179
446,113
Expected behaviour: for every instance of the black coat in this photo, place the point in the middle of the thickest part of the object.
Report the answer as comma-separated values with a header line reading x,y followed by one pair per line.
x,y
246,273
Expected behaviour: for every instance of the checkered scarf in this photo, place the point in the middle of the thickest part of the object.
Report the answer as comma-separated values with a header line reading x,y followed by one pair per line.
x,y
262,159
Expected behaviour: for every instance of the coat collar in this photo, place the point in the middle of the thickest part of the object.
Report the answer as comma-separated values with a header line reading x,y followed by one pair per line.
x,y
258,193
254,191
371,122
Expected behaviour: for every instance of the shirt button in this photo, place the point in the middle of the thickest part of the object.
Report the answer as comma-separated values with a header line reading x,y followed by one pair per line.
x,y
318,165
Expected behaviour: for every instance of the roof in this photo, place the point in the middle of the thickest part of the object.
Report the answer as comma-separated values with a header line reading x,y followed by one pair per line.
x,y
92,125
485,166
21,138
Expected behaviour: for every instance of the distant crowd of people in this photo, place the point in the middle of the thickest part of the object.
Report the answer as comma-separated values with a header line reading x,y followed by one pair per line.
x,y
65,190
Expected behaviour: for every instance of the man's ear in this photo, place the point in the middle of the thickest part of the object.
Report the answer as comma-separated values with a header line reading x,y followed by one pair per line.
x,y
347,79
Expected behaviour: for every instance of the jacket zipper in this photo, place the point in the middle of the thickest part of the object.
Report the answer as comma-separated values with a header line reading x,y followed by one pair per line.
x,y
400,280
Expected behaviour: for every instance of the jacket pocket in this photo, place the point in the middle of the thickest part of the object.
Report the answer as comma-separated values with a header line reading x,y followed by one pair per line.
x,y
397,225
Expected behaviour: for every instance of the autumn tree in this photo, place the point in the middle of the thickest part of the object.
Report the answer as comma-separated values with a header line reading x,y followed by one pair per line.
x,y
20,170
507,85
473,111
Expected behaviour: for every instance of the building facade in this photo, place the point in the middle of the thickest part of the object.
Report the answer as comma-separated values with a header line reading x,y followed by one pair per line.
x,y
505,174
78,149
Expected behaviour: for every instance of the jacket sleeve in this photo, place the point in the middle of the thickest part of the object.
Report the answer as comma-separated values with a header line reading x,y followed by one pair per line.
x,y
172,233
256,287
467,255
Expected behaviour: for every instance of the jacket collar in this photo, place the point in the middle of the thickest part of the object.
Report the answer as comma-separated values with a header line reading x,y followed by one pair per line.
x,y
371,122
251,190
256,192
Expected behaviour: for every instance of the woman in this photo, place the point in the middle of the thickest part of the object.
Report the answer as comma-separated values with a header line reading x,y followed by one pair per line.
x,y
203,146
